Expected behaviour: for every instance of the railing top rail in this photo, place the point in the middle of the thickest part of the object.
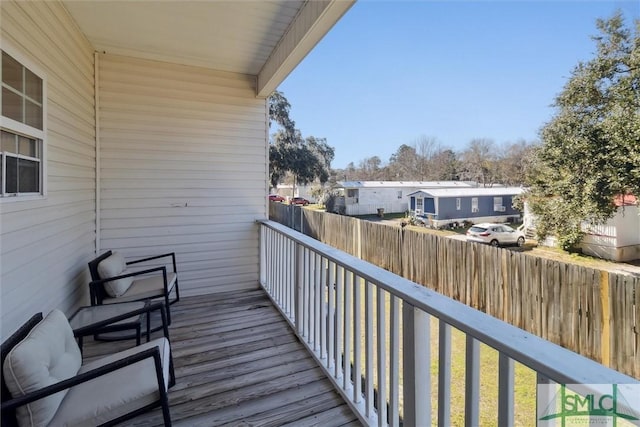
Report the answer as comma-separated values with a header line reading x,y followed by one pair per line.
x,y
555,362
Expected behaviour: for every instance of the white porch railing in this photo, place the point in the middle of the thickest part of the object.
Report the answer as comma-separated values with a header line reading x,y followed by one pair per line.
x,y
369,329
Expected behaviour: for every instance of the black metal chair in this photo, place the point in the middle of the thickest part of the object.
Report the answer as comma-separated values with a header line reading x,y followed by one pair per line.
x,y
146,284
94,380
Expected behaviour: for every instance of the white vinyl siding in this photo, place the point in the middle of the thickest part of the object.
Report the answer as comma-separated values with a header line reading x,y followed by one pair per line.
x,y
183,168
47,242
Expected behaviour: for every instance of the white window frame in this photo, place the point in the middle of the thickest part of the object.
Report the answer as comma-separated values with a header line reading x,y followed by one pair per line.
x,y
420,204
497,204
23,129
474,205
400,194
458,203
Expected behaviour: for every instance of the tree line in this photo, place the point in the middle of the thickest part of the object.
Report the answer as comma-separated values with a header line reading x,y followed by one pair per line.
x,y
482,161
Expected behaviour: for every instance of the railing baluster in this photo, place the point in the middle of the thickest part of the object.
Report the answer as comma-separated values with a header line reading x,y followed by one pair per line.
x,y
394,362
317,321
307,293
298,297
324,280
289,269
279,284
339,341
368,326
348,327
293,279
382,358
444,374
331,291
274,267
313,274
274,256
416,366
505,391
357,344
472,383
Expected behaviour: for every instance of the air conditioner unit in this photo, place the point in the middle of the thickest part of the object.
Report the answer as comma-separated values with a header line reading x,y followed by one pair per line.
x,y
418,211
499,208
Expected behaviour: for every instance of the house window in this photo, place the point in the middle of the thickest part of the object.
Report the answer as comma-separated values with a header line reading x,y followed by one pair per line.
x,y
474,204
419,202
458,203
497,204
400,194
21,129
352,192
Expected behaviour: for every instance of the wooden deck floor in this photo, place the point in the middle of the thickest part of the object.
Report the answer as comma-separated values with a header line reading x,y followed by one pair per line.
x,y
237,362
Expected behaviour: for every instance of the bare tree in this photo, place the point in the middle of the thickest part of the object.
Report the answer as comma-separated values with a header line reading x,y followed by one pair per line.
x,y
427,148
479,162
514,161
370,168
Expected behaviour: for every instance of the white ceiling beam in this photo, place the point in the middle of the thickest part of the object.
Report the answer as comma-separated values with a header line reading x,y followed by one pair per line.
x,y
313,21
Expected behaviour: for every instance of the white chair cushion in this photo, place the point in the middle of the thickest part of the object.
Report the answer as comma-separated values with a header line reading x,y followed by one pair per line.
x,y
48,355
113,266
147,287
117,393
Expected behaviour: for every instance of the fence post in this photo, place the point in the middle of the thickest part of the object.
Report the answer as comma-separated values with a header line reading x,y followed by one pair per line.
x,y
359,238
417,365
606,317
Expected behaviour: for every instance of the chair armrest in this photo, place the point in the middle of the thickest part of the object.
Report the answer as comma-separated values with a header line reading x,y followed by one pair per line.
x,y
171,254
87,376
135,273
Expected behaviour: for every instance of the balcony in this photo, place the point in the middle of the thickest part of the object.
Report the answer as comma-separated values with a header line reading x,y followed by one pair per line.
x,y
333,340
238,362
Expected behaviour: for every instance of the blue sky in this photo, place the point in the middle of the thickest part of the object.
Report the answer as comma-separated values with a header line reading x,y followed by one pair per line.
x,y
391,72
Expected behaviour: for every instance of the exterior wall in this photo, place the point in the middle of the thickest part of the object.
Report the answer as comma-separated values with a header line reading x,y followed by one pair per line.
x,y
618,239
46,243
371,209
371,199
183,168
447,212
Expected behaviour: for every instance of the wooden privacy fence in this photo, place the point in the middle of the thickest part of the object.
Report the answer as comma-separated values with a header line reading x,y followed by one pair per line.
x,y
592,312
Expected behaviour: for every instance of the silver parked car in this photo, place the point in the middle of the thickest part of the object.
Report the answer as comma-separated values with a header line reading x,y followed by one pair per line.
x,y
495,234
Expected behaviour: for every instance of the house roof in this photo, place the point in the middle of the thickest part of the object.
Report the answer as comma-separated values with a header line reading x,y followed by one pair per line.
x,y
469,192
258,38
625,200
406,184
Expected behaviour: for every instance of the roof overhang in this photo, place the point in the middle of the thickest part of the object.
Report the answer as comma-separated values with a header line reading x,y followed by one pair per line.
x,y
259,38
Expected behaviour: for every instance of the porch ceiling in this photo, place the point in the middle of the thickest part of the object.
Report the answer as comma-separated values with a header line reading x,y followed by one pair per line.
x,y
236,36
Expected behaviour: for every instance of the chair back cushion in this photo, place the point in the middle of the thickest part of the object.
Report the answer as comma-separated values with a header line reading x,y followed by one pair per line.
x,y
47,355
112,266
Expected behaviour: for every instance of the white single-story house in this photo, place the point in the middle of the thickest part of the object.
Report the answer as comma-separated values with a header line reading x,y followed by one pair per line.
x,y
143,128
442,206
287,191
618,239
366,197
